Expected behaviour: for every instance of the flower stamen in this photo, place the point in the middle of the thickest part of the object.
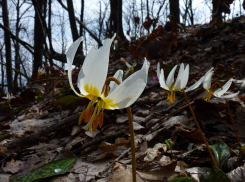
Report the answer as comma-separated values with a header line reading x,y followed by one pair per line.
x,y
171,97
210,92
93,114
101,119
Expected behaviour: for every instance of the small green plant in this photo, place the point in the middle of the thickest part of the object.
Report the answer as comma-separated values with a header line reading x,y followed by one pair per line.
x,y
170,145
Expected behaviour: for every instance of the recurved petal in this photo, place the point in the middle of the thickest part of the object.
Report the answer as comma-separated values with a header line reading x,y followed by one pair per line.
x,y
179,78
229,96
170,78
118,75
158,69
70,54
207,79
194,86
93,73
129,90
185,77
162,80
224,89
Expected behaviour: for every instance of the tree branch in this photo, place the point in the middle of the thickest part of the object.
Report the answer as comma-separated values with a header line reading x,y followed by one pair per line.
x,y
81,23
17,71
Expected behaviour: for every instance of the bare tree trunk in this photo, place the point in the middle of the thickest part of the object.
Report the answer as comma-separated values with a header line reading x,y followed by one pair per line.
x,y
174,10
147,8
17,45
72,20
1,57
73,25
38,39
63,36
116,18
49,30
141,9
81,19
7,46
191,14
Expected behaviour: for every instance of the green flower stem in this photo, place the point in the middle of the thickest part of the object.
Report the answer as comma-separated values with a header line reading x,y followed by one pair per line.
x,y
228,107
131,128
200,130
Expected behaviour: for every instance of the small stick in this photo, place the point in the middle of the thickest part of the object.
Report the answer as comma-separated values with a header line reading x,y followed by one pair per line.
x,y
200,130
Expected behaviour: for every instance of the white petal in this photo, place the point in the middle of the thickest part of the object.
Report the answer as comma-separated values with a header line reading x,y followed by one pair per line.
x,y
224,89
178,81
158,70
128,65
118,75
5,97
194,86
207,79
170,78
229,96
185,77
94,70
162,80
70,54
129,90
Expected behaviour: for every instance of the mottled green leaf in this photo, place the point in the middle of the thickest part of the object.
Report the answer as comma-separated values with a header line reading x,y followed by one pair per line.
x,y
204,177
221,153
50,169
216,175
182,179
67,100
169,143
3,137
242,151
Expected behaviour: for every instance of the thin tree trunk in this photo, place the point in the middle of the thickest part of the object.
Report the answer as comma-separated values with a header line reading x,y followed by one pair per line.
x,y
38,39
2,70
174,10
7,46
191,14
116,18
81,19
49,30
17,45
72,20
147,8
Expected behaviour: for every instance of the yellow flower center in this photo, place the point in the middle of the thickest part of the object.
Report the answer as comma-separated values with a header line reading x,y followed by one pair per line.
x,y
171,97
93,115
208,95
39,73
210,92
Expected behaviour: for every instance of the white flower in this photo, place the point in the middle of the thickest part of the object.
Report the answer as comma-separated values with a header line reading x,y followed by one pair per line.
x,y
41,71
179,84
9,97
62,73
211,88
91,83
130,67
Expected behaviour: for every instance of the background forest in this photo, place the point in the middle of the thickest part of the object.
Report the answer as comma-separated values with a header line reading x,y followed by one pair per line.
x,y
189,129
37,33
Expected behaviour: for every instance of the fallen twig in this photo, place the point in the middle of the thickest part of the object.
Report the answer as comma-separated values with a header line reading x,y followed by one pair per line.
x,y
34,136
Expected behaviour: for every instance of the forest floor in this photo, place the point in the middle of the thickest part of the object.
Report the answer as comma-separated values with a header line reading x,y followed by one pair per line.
x,y
41,125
